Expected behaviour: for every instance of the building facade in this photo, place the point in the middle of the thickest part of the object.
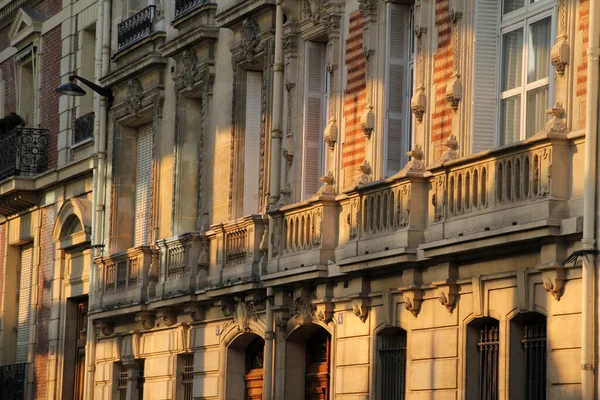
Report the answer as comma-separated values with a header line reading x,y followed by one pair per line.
x,y
316,199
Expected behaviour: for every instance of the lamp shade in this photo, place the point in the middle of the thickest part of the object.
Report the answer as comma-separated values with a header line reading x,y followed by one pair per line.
x,y
69,89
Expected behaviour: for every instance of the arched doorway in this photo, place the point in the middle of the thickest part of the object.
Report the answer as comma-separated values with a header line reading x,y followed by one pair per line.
x,y
245,374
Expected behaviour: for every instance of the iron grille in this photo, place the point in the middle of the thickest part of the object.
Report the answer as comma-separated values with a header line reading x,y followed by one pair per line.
x,y
140,381
135,28
23,150
534,344
488,346
84,127
13,381
392,353
187,378
182,7
122,384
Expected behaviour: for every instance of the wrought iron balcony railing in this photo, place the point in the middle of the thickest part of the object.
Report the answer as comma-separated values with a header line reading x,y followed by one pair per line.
x,y
23,151
182,7
13,379
84,127
135,28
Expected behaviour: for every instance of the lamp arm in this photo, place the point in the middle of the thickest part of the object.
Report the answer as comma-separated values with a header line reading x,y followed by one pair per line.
x,y
102,91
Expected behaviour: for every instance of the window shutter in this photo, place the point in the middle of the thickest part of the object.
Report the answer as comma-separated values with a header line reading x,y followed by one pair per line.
x,y
24,310
485,88
143,182
397,107
313,117
252,142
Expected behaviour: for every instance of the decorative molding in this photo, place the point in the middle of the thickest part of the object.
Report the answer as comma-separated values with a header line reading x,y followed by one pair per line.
x,y
135,95
559,55
104,326
303,308
366,172
145,319
195,310
324,311
454,93
276,237
367,7
413,297
418,104
367,119
328,188
263,247
242,311
250,41
167,315
448,295
553,279
451,153
360,308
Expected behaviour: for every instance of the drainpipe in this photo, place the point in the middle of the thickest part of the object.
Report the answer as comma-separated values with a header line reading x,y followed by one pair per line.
x,y
588,312
98,182
268,382
277,107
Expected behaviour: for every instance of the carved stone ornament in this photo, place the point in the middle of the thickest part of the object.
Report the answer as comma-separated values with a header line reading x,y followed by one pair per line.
x,y
367,121
413,297
303,309
554,282
367,7
328,189
189,68
250,41
324,311
263,247
416,163
454,93
360,308
243,311
104,326
167,315
418,104
448,295
135,95
145,319
331,23
331,134
451,152
195,310
454,15
556,124
559,56
365,174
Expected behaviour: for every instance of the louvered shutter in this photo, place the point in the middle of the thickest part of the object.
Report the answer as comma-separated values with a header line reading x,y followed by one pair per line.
x,y
397,107
143,182
313,117
24,311
252,142
485,88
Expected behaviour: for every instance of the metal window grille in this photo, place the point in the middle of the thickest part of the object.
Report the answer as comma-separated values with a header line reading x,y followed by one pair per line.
x,y
23,151
122,384
13,381
140,381
84,127
392,354
488,347
534,345
24,310
143,184
187,378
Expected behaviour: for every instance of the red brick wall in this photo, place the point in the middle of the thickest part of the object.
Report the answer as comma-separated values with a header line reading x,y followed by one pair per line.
x,y
44,302
353,153
50,67
583,26
442,70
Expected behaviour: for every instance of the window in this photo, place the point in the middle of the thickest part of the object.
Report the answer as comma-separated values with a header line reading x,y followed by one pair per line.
x,y
187,376
483,345
24,302
399,82
526,32
143,185
392,364
252,142
2,95
27,102
316,105
528,357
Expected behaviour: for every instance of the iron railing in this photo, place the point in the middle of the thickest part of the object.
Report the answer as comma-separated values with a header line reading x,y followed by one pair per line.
x,y
135,28
187,377
84,127
23,150
392,353
122,384
488,347
182,7
13,379
534,345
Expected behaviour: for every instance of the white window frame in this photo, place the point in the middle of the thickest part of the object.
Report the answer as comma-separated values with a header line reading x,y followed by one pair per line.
x,y
521,19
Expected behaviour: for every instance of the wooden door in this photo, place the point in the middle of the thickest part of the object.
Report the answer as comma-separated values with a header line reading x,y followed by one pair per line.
x,y
81,333
317,366
254,369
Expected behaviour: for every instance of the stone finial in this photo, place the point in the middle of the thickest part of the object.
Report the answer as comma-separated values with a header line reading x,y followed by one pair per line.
x,y
451,153
418,104
556,124
365,176
328,189
416,163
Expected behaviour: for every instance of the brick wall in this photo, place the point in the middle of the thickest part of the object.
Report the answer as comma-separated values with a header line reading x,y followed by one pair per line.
x,y
442,70
354,100
44,302
50,67
583,27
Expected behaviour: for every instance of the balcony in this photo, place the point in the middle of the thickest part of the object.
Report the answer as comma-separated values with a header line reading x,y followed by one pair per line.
x,y
23,151
184,262
135,28
127,278
13,381
304,234
84,128
238,249
183,7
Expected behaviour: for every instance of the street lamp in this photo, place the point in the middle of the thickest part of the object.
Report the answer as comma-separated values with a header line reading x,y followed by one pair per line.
x,y
72,89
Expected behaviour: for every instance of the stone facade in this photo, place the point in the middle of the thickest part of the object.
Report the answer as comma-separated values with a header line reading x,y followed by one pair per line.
x,y
258,231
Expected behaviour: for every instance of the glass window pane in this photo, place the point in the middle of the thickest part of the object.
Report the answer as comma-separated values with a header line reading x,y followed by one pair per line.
x,y
512,5
512,59
537,103
539,50
510,120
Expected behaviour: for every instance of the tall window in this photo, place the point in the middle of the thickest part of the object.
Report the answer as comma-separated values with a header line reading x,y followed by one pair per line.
x,y
143,182
27,89
483,346
24,305
187,376
252,142
399,82
528,357
316,94
526,33
392,364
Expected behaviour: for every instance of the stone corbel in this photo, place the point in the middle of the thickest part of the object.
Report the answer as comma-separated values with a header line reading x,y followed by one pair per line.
x,y
454,92
413,297
145,319
331,134
104,326
227,307
167,315
448,294
418,104
195,310
553,279
559,55
324,310
360,308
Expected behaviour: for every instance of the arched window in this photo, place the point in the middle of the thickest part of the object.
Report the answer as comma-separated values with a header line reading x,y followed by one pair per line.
x,y
527,375
391,347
